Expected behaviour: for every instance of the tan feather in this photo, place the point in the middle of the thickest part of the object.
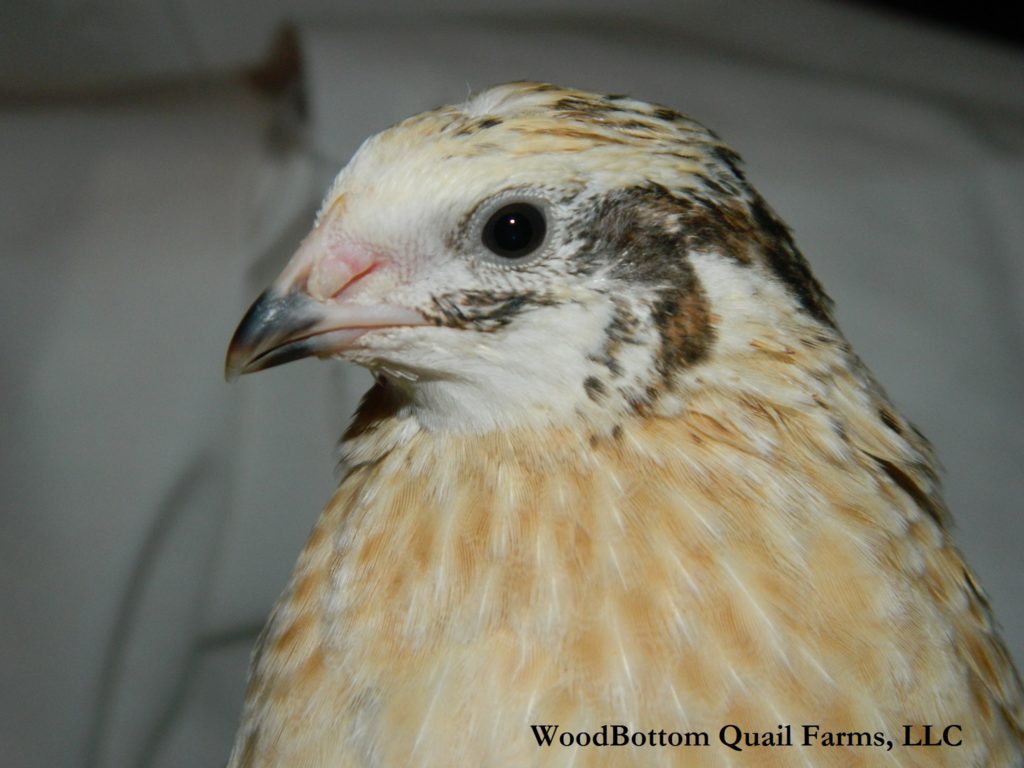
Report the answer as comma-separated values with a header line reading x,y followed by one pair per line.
x,y
460,587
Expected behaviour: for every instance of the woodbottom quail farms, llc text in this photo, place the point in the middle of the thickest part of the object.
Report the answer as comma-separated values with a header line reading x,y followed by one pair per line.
x,y
736,738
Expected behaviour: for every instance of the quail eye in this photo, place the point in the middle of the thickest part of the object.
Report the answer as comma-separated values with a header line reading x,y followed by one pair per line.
x,y
515,230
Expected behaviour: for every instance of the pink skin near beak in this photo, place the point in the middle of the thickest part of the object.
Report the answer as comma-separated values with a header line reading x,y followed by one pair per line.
x,y
313,308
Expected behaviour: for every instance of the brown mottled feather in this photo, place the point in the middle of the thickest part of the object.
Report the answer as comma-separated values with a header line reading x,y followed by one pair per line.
x,y
460,587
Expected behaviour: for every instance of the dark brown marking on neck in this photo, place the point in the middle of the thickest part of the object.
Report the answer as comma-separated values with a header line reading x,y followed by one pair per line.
x,y
686,332
642,232
788,263
928,502
594,388
380,403
890,420
650,229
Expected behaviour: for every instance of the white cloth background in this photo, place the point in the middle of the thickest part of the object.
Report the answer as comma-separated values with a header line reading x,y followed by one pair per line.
x,y
152,513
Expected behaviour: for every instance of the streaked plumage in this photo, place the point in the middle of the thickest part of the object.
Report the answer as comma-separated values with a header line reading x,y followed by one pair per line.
x,y
639,477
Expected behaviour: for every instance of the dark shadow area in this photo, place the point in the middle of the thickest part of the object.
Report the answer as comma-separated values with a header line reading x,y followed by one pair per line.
x,y
1000,22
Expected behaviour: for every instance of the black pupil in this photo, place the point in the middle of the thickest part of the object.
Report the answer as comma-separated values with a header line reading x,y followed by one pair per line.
x,y
515,230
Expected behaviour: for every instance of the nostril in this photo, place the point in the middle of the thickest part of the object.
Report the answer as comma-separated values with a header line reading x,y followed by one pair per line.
x,y
328,277
336,271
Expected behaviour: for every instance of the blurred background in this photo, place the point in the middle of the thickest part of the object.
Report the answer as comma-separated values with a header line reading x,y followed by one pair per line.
x,y
160,159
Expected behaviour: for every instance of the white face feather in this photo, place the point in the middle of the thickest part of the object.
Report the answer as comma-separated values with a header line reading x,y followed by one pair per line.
x,y
524,376
489,374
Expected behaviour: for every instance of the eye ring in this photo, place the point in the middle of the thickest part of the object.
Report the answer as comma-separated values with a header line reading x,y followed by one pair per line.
x,y
515,230
489,238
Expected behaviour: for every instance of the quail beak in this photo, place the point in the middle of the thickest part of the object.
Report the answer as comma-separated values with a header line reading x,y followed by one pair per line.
x,y
313,308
